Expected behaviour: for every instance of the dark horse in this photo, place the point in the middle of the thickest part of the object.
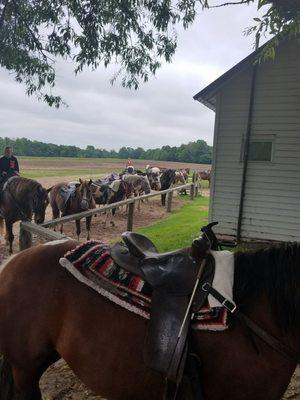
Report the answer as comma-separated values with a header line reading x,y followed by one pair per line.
x,y
71,199
166,180
20,200
46,314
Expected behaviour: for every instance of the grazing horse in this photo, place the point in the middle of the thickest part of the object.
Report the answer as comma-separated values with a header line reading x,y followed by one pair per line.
x,y
45,314
71,199
20,199
167,179
205,176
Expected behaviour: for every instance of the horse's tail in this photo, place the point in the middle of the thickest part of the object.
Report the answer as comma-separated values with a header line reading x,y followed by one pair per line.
x,y
6,380
1,226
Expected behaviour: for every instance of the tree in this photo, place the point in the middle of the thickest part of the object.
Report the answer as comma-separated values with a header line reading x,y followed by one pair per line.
x,y
137,35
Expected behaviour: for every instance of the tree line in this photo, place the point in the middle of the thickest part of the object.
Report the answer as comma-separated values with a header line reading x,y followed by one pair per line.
x,y
193,152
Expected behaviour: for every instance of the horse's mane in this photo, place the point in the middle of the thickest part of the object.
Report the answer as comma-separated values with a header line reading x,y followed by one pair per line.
x,y
23,187
273,272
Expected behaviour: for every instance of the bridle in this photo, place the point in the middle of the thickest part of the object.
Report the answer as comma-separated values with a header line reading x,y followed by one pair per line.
x,y
248,323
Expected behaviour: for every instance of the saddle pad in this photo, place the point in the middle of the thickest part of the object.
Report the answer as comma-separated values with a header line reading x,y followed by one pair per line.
x,y
67,191
92,265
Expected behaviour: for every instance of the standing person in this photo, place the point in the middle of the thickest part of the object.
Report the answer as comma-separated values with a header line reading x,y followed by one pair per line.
x,y
129,166
9,165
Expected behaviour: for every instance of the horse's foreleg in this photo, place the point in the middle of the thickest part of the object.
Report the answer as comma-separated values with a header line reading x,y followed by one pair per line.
x,y
113,213
6,380
1,226
26,384
78,230
9,235
88,226
18,384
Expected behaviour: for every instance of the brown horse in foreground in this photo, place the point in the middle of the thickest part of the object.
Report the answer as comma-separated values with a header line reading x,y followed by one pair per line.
x,y
81,200
20,200
45,314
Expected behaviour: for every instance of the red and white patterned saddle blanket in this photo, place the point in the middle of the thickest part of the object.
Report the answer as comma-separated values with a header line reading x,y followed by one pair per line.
x,y
92,265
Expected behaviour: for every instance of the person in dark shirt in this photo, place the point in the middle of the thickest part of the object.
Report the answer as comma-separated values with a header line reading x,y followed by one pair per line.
x,y
9,165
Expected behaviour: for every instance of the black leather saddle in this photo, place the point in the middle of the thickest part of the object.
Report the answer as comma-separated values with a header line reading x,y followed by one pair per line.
x,y
172,277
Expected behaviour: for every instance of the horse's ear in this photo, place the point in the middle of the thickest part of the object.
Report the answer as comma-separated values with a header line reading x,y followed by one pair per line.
x,y
49,189
80,180
90,182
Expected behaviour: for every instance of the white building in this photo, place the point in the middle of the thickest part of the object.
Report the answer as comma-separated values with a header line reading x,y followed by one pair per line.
x,y
257,108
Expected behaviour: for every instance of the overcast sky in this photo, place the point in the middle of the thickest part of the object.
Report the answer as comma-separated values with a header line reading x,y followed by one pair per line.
x,y
161,112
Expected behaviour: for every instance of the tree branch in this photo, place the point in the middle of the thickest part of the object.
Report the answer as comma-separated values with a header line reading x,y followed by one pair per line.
x,y
3,14
232,3
35,39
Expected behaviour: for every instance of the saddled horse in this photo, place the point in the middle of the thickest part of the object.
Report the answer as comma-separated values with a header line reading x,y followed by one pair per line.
x,y
20,200
167,179
140,183
103,343
205,176
154,180
67,199
111,193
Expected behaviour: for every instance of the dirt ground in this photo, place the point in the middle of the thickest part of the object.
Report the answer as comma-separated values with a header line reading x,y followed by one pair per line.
x,y
105,164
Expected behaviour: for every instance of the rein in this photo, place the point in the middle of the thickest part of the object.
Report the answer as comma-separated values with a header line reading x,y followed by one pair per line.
x,y
269,339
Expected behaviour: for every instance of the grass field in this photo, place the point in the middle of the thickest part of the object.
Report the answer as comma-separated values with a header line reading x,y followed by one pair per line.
x,y
44,167
181,227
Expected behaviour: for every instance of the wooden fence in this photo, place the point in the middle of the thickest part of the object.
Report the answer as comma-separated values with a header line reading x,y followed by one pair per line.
x,y
27,229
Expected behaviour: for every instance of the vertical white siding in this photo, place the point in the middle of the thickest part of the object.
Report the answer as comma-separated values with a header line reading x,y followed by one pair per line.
x,y
232,113
272,196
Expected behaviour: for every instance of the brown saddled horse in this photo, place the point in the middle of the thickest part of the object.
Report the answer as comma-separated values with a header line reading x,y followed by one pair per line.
x,y
205,176
45,314
80,200
20,200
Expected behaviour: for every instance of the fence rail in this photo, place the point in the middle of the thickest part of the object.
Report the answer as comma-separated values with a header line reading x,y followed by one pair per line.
x,y
29,228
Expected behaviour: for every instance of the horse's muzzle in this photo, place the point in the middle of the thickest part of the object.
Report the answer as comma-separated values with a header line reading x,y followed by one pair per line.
x,y
84,204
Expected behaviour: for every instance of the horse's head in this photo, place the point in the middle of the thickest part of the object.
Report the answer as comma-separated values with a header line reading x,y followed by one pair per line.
x,y
40,203
154,180
179,177
84,193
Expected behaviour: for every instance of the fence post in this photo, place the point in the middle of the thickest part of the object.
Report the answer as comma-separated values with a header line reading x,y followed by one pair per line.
x,y
169,201
196,190
25,238
195,182
130,216
192,191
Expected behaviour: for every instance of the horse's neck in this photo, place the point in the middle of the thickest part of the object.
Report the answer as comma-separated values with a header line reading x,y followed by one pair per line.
x,y
233,354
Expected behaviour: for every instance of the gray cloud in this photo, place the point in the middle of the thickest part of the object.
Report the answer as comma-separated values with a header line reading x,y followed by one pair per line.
x,y
160,112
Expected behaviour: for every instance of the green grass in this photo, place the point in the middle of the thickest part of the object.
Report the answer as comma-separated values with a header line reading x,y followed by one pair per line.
x,y
181,227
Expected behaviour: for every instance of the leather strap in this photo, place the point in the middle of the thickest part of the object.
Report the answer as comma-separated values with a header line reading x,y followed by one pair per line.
x,y
276,344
